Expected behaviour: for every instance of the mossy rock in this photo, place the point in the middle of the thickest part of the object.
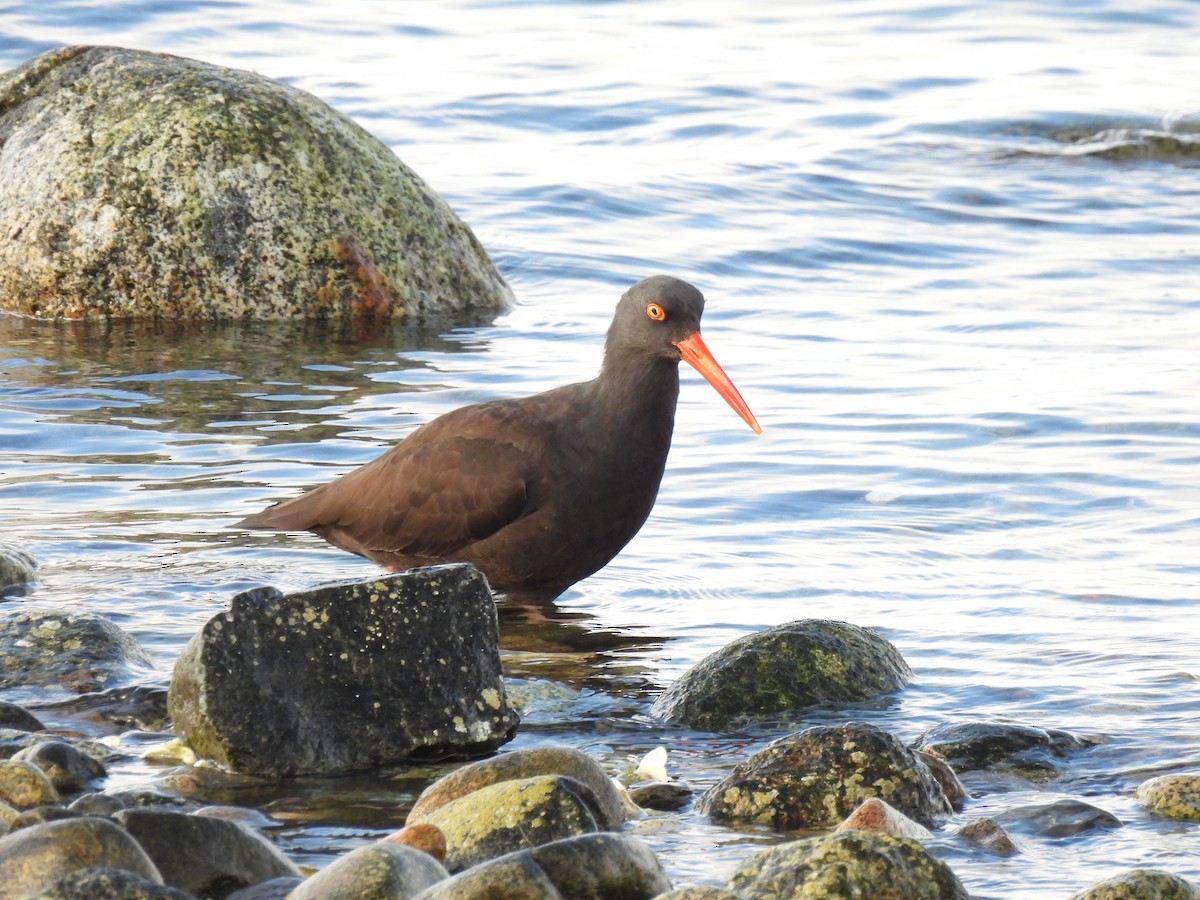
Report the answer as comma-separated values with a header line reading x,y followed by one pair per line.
x,y
142,184
1173,796
783,669
817,777
1141,884
848,865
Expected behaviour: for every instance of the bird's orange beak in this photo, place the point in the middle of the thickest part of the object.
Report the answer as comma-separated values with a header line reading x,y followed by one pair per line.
x,y
698,356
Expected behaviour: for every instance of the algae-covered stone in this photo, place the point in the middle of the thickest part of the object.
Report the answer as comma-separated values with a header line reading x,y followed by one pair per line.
x,y
1173,796
1059,818
589,867
346,676
1033,753
818,776
33,859
526,763
67,767
513,815
381,871
23,785
1141,884
141,184
848,865
78,651
783,669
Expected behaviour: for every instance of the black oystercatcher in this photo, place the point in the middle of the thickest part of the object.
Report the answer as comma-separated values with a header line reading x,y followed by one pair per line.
x,y
536,492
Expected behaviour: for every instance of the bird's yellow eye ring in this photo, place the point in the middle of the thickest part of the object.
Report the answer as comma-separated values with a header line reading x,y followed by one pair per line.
x,y
655,312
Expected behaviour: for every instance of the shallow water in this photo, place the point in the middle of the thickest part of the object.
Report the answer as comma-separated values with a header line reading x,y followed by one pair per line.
x,y
950,255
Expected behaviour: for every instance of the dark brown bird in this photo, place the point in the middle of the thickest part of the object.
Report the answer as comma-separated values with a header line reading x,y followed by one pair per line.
x,y
536,492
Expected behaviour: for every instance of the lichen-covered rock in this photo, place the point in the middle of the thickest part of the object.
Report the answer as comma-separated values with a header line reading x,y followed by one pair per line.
x,y
68,768
1141,884
109,884
815,777
513,815
590,867
1023,750
526,763
848,865
1060,818
24,785
78,651
141,184
346,676
380,871
204,855
783,669
1173,796
34,859
875,815
987,834
17,568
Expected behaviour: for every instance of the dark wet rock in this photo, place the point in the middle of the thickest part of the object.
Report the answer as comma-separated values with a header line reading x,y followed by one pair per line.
x,y
275,889
97,804
14,742
666,796
526,763
17,569
346,676
34,859
590,867
148,798
1061,818
987,834
1033,753
782,669
39,814
955,791
110,884
1141,884
421,836
815,777
1173,796
68,768
379,871
134,706
78,651
204,855
875,815
141,184
513,815
18,718
847,865
24,785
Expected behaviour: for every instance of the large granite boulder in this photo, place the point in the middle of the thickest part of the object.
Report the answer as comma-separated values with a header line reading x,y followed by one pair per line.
x,y
781,670
141,184
346,676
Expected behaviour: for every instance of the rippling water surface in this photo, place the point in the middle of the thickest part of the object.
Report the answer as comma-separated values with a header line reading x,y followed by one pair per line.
x,y
952,258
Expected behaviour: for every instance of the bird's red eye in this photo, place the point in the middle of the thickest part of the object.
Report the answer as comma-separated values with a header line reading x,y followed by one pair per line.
x,y
655,312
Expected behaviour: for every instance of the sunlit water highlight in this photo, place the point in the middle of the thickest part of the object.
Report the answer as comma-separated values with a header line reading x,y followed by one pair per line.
x,y
951,257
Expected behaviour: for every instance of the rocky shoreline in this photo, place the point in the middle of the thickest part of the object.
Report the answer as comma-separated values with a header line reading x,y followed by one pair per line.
x,y
262,689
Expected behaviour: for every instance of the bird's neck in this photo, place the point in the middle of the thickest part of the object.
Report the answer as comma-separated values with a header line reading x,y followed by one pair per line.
x,y
637,395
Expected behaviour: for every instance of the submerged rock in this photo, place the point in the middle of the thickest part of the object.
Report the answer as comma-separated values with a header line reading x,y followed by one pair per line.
x,y
590,867
1020,749
1141,884
1173,796
380,871
847,865
815,777
346,676
141,184
17,568
782,669
110,884
987,834
1060,818
17,718
78,651
34,859
202,854
68,768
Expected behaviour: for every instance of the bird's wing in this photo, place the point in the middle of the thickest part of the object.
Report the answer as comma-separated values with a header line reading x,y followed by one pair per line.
x,y
447,485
